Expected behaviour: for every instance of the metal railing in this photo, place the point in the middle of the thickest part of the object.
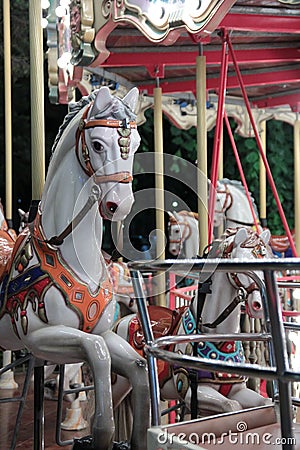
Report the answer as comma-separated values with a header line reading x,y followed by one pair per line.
x,y
279,371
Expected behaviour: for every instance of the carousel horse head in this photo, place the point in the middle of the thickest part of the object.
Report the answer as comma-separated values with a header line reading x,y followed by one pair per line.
x,y
57,299
232,205
104,135
183,234
246,244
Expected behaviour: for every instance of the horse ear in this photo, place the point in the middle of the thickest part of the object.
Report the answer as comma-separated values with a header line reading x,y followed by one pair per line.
x,y
241,236
177,216
265,236
131,98
102,100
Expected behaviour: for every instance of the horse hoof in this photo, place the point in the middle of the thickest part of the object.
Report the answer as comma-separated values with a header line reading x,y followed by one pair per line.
x,y
121,446
84,443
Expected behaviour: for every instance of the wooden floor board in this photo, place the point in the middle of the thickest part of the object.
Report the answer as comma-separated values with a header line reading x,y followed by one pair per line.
x,y
25,439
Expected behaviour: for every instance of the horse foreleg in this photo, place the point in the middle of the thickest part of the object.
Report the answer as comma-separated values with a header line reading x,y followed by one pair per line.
x,y
247,397
127,363
62,345
210,400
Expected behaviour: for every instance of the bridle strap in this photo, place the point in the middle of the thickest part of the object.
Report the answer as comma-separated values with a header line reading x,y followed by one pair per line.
x,y
236,283
121,177
58,240
183,237
227,311
228,200
239,222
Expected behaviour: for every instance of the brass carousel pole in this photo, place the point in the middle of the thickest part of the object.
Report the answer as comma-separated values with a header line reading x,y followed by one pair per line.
x,y
38,174
159,192
8,114
37,98
263,179
7,379
202,152
297,181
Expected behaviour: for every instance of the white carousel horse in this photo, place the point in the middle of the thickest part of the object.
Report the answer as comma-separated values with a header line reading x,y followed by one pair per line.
x,y
57,298
232,206
183,234
7,239
220,313
126,304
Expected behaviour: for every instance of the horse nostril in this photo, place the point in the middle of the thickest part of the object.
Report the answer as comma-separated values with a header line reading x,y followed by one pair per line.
x,y
111,206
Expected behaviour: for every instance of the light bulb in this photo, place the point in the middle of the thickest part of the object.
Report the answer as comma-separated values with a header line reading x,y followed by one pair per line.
x,y
45,4
60,11
44,22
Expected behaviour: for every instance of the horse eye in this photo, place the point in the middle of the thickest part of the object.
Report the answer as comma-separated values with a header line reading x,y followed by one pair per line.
x,y
176,231
97,146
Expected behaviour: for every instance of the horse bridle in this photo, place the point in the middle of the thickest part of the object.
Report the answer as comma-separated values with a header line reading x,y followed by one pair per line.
x,y
228,201
227,205
184,236
242,291
124,128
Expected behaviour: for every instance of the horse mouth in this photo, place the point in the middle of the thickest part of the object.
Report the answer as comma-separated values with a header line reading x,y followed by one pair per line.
x,y
104,213
108,211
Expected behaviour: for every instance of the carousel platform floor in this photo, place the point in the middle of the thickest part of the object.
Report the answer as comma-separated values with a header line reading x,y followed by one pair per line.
x,y
8,413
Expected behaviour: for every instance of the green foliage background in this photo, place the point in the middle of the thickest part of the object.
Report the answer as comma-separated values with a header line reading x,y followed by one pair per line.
x,y
182,143
176,142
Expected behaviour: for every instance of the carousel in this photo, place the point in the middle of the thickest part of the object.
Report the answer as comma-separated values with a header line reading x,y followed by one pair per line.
x,y
128,349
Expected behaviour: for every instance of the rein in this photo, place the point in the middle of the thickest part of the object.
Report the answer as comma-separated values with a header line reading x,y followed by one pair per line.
x,y
124,129
58,240
227,205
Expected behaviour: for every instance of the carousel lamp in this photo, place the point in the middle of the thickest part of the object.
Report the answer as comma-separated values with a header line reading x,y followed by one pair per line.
x,y
45,4
60,11
44,22
64,60
65,3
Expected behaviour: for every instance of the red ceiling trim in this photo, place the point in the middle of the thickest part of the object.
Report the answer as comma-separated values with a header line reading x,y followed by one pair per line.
x,y
261,23
152,59
287,99
255,79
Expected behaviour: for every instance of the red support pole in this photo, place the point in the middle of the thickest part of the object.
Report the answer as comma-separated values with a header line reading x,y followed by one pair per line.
x,y
239,164
263,156
218,135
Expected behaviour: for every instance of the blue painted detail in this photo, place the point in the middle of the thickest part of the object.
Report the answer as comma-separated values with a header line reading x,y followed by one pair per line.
x,y
209,349
24,280
189,323
117,312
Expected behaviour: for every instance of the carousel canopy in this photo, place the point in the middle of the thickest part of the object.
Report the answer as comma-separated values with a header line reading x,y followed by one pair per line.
x,y
147,43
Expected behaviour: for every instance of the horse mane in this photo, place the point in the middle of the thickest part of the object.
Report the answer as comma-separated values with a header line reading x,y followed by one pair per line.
x,y
238,184
182,213
189,214
222,246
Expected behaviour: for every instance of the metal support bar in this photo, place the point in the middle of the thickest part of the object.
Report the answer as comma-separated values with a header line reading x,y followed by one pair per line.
x,y
148,335
39,408
22,398
281,359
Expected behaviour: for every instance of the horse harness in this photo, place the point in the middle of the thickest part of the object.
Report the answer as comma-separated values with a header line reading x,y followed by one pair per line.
x,y
124,128
184,235
32,282
193,324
